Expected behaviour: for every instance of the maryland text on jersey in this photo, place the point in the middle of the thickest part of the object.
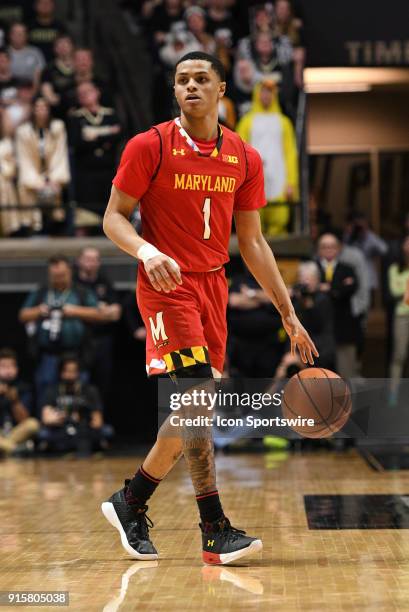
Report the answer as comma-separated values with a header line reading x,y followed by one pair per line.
x,y
204,182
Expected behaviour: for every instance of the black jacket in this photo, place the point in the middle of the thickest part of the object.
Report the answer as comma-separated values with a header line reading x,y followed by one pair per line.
x,y
346,326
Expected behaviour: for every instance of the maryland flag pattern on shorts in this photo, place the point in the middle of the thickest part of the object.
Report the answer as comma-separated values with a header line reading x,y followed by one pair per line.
x,y
186,357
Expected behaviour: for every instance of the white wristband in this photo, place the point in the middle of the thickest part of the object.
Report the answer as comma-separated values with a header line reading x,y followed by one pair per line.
x,y
147,251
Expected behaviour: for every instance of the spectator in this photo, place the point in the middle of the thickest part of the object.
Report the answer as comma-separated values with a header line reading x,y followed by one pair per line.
x,y
58,314
44,29
15,10
256,335
314,309
18,106
219,17
358,234
286,24
89,275
269,53
196,24
273,58
8,83
94,135
261,24
162,18
9,219
16,425
361,299
289,366
244,80
272,134
84,68
27,62
389,301
72,414
177,44
85,72
340,282
42,157
398,275
227,113
395,244
58,78
133,319
3,33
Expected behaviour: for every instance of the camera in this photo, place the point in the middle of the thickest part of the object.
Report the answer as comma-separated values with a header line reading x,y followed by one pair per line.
x,y
302,290
55,324
291,370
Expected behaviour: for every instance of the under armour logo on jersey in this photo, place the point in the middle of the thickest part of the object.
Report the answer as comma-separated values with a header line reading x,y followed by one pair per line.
x,y
210,542
232,159
178,152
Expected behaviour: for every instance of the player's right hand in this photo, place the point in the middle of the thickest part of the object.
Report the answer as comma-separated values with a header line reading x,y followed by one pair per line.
x,y
163,272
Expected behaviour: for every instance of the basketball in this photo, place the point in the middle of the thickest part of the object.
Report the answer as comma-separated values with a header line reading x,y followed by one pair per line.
x,y
318,394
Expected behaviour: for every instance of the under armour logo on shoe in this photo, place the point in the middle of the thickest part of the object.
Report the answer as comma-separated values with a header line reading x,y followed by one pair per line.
x,y
210,542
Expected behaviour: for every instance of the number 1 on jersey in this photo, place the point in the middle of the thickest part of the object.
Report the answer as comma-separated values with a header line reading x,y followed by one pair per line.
x,y
206,217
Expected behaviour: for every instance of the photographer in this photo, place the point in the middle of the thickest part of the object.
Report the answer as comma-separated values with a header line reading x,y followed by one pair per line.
x,y
72,415
57,316
314,309
88,274
256,336
16,426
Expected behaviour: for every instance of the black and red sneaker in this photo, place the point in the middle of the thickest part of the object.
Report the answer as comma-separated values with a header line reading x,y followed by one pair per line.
x,y
132,524
223,543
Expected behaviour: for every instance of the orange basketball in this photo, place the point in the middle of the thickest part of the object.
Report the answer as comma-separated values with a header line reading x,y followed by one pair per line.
x,y
319,395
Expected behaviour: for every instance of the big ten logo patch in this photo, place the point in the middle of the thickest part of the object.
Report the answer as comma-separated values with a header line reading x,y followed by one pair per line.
x,y
158,330
231,159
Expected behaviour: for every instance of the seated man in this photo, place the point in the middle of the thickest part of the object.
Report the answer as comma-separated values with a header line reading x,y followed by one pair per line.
x,y
16,425
56,318
72,416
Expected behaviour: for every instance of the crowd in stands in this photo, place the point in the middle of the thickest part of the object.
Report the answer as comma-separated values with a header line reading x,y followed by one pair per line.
x,y
59,132
60,135
60,138
332,295
72,320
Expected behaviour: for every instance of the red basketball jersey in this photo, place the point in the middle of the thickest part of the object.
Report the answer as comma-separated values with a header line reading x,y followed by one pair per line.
x,y
187,199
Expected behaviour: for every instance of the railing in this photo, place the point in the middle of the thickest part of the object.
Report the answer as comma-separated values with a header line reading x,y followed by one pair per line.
x,y
300,130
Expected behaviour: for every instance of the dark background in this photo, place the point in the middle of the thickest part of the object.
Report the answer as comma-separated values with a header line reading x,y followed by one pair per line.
x,y
329,25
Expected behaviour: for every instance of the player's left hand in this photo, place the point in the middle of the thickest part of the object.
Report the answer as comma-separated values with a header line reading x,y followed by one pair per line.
x,y
300,339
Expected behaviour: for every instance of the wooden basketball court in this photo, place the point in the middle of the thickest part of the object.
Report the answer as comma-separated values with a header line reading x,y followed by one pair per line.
x,y
335,535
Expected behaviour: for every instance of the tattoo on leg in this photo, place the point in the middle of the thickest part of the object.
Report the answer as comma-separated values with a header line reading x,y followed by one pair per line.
x,y
177,456
199,455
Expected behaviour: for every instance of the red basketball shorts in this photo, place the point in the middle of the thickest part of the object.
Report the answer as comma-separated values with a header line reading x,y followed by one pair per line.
x,y
187,326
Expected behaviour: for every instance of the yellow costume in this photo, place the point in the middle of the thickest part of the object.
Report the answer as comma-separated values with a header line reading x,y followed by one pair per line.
x,y
270,132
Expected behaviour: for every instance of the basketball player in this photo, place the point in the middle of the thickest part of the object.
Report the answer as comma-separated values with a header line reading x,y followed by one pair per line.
x,y
191,176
